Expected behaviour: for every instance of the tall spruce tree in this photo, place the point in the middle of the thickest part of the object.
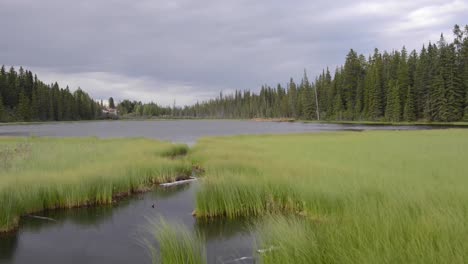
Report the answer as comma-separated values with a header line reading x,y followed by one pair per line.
x,y
351,73
23,111
403,77
292,92
308,102
410,109
393,110
2,109
464,68
376,92
111,103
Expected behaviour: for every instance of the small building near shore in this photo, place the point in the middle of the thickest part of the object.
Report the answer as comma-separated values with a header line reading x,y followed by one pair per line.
x,y
110,112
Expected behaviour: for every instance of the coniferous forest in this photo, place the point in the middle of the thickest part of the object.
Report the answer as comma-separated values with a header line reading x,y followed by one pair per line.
x,y
25,98
401,85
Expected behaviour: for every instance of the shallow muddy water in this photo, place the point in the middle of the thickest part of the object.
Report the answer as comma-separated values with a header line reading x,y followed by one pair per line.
x,y
115,234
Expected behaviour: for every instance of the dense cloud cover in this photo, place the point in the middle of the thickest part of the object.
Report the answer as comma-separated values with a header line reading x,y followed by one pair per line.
x,y
190,50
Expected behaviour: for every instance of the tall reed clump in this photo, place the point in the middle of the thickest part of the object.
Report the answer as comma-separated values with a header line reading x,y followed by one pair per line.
x,y
176,244
240,197
46,173
369,197
287,240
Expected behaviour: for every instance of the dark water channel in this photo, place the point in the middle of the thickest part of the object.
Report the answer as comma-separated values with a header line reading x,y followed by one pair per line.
x,y
114,234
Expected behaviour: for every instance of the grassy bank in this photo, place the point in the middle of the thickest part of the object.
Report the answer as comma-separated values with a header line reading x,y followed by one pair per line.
x,y
370,197
46,173
385,123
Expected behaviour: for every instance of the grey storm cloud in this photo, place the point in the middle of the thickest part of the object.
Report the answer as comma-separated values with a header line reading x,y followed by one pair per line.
x,y
189,50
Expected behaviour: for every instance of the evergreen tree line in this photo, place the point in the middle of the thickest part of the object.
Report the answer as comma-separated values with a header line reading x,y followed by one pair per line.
x,y
431,85
25,98
138,109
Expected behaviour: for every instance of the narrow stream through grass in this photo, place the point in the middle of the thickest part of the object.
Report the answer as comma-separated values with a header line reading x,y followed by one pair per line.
x,y
116,234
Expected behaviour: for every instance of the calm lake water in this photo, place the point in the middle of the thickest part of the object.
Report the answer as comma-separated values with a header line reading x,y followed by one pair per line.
x,y
114,234
182,131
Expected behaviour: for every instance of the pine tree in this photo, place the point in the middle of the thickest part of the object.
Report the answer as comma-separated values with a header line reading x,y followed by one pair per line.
x,y
464,68
359,100
351,73
465,116
376,91
332,93
338,107
3,83
420,83
410,109
440,102
308,105
51,107
292,93
23,111
34,106
2,109
403,77
454,88
393,110
429,82
111,103
11,98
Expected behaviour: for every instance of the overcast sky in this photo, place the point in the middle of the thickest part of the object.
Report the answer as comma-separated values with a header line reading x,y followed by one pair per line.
x,y
189,50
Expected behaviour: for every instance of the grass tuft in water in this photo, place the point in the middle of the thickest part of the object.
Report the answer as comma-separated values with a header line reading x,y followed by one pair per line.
x,y
176,244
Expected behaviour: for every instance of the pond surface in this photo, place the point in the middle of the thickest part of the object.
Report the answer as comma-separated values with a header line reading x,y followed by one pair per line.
x,y
181,131
115,234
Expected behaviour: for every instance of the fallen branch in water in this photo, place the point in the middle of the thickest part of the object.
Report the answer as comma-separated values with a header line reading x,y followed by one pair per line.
x,y
42,218
169,184
238,259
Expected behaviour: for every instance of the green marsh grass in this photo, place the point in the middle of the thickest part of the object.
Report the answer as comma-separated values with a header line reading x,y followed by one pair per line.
x,y
46,173
176,244
346,197
175,151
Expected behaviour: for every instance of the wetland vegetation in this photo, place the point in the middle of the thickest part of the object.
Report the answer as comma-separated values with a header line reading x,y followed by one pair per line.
x,y
344,197
45,173
331,197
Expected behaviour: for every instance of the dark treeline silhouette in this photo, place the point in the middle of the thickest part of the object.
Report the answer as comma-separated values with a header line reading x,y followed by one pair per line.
x,y
25,98
431,85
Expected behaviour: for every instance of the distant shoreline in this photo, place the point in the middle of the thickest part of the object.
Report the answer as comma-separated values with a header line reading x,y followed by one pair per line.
x,y
279,120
